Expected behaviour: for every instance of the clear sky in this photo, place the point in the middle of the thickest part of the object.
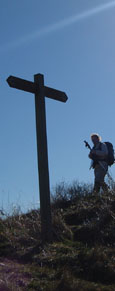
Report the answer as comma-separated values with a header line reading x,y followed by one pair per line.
x,y
73,44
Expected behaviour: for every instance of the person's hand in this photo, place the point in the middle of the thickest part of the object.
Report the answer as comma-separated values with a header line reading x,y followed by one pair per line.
x,y
92,152
90,155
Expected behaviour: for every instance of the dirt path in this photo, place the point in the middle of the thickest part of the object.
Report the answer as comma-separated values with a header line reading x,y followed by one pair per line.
x,y
13,275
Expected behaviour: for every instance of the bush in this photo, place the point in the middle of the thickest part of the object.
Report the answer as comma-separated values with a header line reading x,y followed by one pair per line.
x,y
64,194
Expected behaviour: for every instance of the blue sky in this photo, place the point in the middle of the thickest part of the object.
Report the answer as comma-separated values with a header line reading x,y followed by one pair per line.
x,y
73,44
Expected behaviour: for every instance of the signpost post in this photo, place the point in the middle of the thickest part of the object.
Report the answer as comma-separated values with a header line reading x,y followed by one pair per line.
x,y
37,87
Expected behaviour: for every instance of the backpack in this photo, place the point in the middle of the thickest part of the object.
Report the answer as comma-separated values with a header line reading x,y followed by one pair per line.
x,y
110,157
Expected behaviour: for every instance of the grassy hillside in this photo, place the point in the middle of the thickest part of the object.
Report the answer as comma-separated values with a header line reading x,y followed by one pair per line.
x,y
82,254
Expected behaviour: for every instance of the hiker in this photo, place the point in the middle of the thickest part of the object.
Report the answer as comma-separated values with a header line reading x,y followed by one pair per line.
x,y
99,154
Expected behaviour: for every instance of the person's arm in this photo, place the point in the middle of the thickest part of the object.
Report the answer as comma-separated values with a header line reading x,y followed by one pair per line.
x,y
92,154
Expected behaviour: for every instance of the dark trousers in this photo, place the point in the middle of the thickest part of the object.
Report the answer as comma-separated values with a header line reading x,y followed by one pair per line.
x,y
99,173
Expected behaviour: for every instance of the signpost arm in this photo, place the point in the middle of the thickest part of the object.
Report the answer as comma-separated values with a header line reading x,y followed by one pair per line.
x,y
44,187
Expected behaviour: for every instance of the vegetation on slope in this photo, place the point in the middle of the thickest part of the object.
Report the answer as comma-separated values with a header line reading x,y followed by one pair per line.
x,y
82,254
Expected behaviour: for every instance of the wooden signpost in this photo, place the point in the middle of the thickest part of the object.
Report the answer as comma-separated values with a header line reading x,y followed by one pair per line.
x,y
37,87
